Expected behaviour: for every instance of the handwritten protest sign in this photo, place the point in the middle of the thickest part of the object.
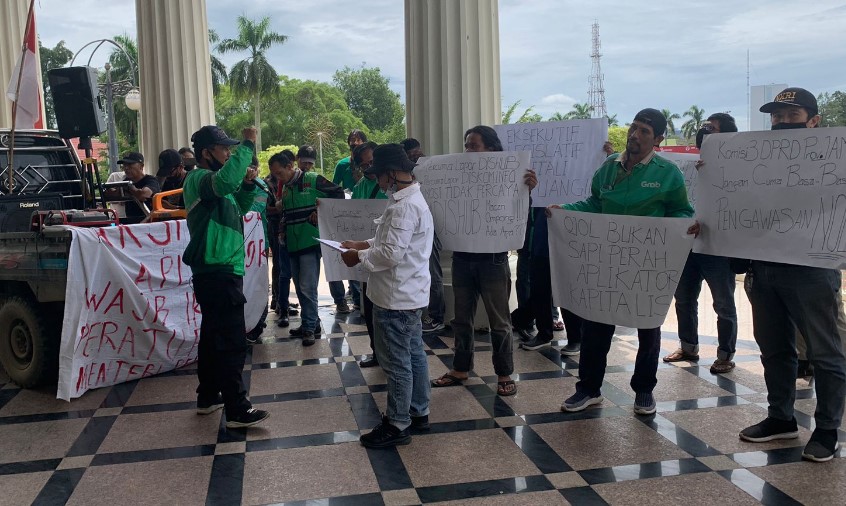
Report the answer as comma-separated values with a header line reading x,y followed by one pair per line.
x,y
342,220
479,201
686,162
775,195
565,155
130,309
619,270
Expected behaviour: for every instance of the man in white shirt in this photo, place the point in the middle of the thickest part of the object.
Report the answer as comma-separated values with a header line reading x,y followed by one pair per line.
x,y
397,259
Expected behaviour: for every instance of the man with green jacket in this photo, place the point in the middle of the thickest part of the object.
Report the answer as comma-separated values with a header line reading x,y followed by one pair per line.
x,y
636,182
218,193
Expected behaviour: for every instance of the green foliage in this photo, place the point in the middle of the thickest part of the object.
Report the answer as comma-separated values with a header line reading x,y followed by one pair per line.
x,y
832,109
52,58
526,117
670,116
691,126
125,69
579,111
369,96
612,120
617,138
264,157
218,69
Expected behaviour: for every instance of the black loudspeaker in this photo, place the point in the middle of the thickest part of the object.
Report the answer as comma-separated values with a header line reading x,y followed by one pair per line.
x,y
16,210
76,100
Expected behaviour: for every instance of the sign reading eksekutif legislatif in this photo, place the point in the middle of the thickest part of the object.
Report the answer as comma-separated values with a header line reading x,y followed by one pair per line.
x,y
479,201
776,195
130,309
619,270
686,162
565,155
346,220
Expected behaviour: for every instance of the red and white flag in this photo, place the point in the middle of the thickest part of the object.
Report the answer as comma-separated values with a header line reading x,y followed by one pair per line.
x,y
28,114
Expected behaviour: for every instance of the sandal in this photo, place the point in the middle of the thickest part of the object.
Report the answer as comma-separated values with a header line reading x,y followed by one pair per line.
x,y
448,380
557,325
680,356
721,366
504,388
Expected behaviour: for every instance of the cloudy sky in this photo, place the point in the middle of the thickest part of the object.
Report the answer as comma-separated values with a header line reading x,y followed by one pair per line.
x,y
655,54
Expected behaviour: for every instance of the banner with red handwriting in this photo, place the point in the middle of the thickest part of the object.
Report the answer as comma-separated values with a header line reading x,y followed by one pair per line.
x,y
130,310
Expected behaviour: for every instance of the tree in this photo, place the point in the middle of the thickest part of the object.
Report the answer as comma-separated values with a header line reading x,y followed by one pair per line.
x,y
612,120
580,111
691,126
125,68
670,116
617,136
557,117
218,69
526,117
253,76
832,109
369,96
52,58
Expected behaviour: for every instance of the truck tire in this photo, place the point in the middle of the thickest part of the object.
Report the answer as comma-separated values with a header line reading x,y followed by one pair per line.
x,y
28,351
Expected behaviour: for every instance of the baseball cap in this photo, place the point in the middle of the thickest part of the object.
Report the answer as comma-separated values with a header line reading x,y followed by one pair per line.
x,y
389,157
169,159
653,118
799,97
211,135
131,157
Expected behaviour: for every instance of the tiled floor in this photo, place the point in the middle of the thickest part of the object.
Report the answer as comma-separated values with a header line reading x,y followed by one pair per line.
x,y
142,441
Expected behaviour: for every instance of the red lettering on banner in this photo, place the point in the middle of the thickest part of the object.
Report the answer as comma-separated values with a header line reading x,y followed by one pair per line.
x,y
166,240
106,331
131,371
144,277
146,311
179,269
170,341
179,230
91,300
165,271
147,369
251,254
101,373
192,308
161,307
101,234
128,337
195,343
120,364
80,378
117,301
127,231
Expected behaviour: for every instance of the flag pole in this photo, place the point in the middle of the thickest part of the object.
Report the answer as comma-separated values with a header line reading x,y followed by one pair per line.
x,y
17,96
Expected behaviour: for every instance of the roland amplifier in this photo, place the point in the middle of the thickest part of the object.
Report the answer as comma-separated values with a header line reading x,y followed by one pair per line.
x,y
16,210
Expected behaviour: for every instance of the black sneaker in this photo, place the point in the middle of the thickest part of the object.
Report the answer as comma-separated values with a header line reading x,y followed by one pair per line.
x,y
299,331
534,344
821,447
205,407
571,349
431,326
769,430
368,361
292,311
525,335
247,419
308,338
420,423
282,321
385,435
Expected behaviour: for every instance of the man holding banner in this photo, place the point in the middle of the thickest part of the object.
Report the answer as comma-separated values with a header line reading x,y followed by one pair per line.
x,y
636,183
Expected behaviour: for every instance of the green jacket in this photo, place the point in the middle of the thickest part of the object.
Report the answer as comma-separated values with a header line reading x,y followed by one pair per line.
x,y
300,200
216,203
343,174
365,188
654,187
260,206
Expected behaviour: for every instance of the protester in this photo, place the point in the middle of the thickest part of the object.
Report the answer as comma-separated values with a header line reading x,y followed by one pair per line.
x,y
171,176
626,184
343,173
144,186
188,159
397,259
281,260
218,193
485,275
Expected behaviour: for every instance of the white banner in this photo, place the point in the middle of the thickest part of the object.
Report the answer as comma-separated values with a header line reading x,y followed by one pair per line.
x,y
342,220
479,201
565,155
130,309
686,162
775,195
619,270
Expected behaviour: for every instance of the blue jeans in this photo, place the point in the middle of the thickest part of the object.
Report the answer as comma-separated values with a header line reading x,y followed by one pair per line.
x,y
282,263
355,292
399,349
787,297
716,272
437,306
336,288
305,268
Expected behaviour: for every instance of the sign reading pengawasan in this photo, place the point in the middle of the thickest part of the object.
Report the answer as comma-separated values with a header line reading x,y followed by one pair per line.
x,y
777,195
479,201
342,220
565,155
130,309
619,270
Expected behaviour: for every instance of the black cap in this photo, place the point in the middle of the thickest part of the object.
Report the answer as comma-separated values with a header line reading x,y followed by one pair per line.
x,y
799,97
169,159
653,118
131,157
211,135
389,157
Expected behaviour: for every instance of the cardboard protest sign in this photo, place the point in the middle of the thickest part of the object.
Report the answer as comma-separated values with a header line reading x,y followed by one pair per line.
x,y
619,270
130,309
776,195
686,162
565,155
346,219
479,201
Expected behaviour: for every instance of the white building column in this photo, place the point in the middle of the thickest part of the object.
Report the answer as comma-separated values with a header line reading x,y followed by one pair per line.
x,y
12,27
176,91
451,70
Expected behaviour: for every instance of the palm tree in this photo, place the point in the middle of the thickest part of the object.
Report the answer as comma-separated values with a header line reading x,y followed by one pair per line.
x,y
612,120
580,111
218,69
253,76
670,116
691,126
557,117
124,67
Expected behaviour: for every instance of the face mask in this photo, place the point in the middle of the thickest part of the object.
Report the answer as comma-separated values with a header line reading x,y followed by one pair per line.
x,y
789,126
213,163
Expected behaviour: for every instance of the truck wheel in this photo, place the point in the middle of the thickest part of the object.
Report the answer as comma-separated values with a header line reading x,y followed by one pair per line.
x,y
28,352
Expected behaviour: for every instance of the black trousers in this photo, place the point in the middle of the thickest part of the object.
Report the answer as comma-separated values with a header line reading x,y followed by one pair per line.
x,y
367,307
223,346
540,297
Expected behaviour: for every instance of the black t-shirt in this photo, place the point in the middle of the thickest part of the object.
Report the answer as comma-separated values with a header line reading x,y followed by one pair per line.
x,y
174,183
135,214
